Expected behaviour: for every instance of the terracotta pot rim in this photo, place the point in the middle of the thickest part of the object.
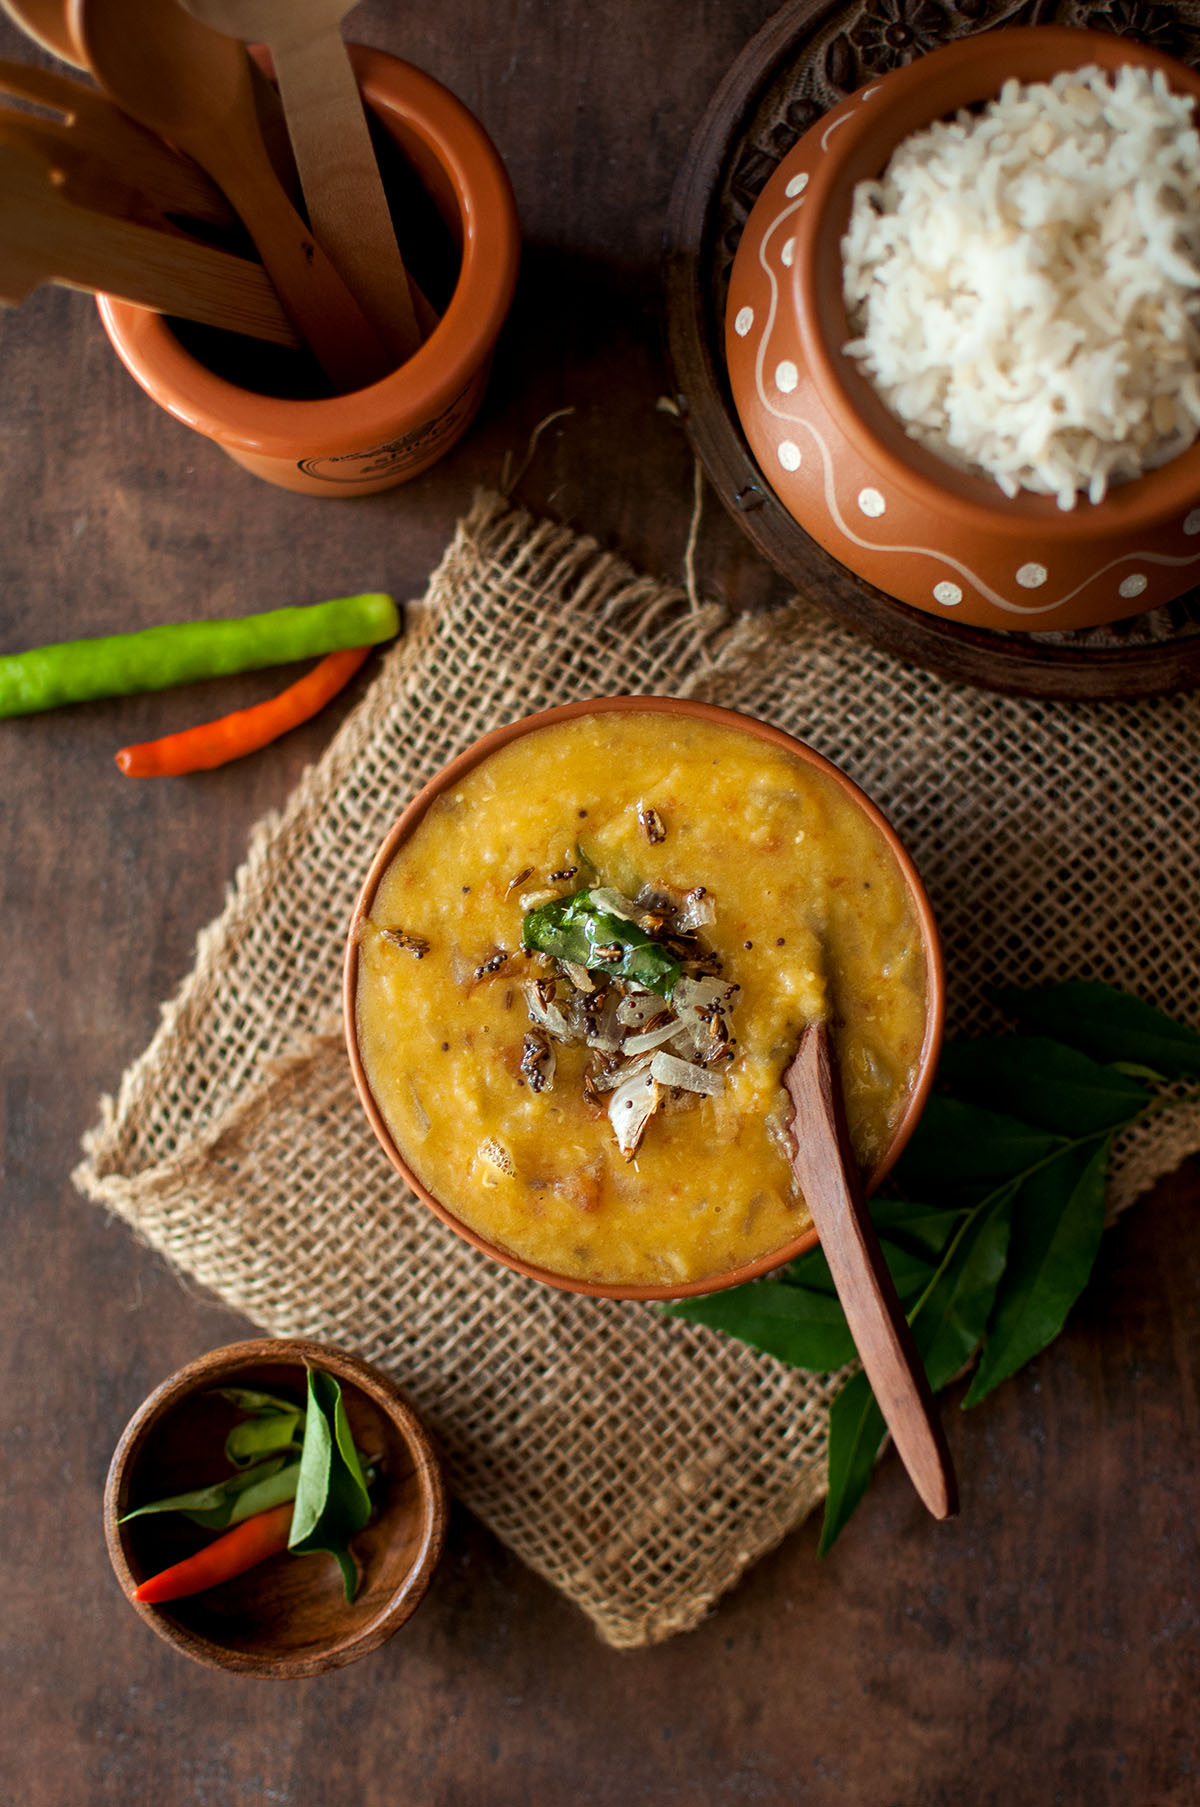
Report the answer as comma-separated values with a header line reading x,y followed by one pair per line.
x,y
473,756
235,1358
275,427
1030,52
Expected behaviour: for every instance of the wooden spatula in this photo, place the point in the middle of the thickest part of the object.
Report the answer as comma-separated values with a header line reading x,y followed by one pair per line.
x,y
47,237
827,1174
85,178
343,189
193,87
102,132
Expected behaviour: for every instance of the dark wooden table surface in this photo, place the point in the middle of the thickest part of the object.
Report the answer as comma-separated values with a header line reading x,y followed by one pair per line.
x,y
1043,1648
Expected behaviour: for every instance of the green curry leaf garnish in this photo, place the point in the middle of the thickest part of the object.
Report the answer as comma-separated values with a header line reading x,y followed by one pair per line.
x,y
575,928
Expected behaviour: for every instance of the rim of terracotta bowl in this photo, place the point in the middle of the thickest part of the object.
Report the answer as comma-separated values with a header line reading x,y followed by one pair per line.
x,y
474,756
225,1362
899,103
272,426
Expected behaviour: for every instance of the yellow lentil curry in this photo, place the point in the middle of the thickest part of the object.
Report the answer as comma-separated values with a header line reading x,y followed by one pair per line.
x,y
499,1071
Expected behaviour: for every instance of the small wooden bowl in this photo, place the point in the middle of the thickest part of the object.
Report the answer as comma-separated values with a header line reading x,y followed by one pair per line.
x,y
668,707
945,541
289,1616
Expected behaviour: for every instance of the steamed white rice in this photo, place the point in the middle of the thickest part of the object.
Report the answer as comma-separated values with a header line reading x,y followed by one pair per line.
x,y
1024,283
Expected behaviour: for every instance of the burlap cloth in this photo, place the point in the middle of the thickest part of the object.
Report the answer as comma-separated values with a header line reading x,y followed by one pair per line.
x,y
638,1462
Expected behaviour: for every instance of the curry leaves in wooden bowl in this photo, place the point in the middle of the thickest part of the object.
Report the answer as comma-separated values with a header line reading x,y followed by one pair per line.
x,y
320,1439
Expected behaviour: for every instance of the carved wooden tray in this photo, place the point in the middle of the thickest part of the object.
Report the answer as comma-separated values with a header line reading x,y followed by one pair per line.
x,y
806,58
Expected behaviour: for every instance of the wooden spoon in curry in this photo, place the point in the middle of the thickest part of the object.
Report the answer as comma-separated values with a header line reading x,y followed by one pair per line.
x,y
827,1174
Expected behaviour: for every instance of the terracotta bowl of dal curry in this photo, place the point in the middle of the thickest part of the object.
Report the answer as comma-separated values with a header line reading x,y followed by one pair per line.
x,y
580,963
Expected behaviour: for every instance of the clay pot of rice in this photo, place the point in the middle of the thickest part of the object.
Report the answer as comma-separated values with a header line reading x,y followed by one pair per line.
x,y
963,330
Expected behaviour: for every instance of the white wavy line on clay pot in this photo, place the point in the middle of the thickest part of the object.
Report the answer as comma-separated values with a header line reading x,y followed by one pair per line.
x,y
772,308
830,129
985,589
787,414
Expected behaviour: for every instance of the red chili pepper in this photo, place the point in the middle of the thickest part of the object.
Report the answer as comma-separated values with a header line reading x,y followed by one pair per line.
x,y
215,743
249,1543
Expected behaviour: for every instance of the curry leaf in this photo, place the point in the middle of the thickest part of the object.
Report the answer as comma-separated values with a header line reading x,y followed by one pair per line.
x,y
856,1429
1041,1082
923,1228
1109,1025
803,1325
804,1328
578,929
270,1490
904,1228
249,1399
262,1435
957,1144
950,1320
1057,1223
910,1268
332,1502
215,1497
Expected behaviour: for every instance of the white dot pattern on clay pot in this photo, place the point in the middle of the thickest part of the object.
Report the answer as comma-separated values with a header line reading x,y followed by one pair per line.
x,y
1133,585
947,594
871,503
786,376
789,455
787,254
797,185
1032,577
1192,523
744,321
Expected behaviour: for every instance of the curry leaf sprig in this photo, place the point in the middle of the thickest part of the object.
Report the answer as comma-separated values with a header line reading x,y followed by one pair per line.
x,y
281,1452
994,1235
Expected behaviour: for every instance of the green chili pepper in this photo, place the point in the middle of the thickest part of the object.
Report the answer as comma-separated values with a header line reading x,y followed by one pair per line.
x,y
78,671
575,928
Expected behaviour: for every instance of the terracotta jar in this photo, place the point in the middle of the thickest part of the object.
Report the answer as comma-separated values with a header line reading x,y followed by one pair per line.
x,y
352,445
894,513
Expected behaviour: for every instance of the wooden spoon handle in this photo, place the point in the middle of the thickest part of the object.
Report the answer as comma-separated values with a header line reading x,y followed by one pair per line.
x,y
313,294
343,189
864,1286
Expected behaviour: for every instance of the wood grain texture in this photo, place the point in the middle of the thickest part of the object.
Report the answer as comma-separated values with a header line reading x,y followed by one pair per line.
x,y
1043,1647
195,88
827,1174
343,190
51,233
283,1619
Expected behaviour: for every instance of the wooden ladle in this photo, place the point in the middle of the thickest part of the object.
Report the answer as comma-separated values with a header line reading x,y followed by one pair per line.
x,y
339,175
827,1174
193,87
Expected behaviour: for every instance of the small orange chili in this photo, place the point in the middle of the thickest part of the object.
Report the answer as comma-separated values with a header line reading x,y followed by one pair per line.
x,y
246,730
251,1542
